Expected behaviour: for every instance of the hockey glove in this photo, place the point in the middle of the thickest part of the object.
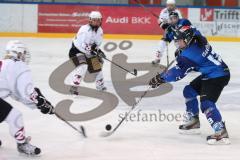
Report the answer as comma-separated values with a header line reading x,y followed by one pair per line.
x,y
42,103
93,47
100,53
156,81
164,25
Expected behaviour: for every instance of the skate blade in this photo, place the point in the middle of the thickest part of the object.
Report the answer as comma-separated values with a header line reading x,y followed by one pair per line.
x,y
223,141
196,131
28,155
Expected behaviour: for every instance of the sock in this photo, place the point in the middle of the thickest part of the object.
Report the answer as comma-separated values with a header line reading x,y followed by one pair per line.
x,y
191,100
16,127
213,115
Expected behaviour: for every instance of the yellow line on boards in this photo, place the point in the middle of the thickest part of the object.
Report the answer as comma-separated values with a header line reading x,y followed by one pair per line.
x,y
108,36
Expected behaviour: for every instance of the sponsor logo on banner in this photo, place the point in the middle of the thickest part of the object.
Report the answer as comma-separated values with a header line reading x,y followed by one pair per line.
x,y
62,18
216,22
126,20
230,15
129,20
206,14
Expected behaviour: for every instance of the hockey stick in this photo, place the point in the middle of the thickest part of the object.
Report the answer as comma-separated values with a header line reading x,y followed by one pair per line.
x,y
167,55
146,9
107,134
134,70
81,131
104,57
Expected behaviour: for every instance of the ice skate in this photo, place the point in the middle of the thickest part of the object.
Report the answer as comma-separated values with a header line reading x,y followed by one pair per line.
x,y
156,61
101,88
191,125
74,91
220,137
100,85
28,149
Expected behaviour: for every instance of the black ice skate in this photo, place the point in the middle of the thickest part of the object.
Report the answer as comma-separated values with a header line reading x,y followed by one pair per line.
x,y
28,149
191,125
0,143
220,137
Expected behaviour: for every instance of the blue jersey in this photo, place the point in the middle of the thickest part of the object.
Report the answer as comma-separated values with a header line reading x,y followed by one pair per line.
x,y
180,23
200,59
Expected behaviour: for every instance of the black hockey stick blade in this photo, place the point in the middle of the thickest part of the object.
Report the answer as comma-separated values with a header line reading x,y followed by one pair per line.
x,y
81,131
135,72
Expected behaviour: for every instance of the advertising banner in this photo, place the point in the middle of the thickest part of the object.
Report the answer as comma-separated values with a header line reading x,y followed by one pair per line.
x,y
116,19
216,22
62,18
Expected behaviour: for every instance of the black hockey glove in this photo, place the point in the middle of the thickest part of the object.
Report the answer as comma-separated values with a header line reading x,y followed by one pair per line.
x,y
42,103
156,81
100,53
164,25
93,47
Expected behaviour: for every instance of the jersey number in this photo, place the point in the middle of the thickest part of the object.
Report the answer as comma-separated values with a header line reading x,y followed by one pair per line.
x,y
215,58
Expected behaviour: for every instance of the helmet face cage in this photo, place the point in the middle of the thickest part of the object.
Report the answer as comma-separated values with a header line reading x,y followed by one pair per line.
x,y
25,56
173,17
185,33
17,50
96,22
171,7
95,19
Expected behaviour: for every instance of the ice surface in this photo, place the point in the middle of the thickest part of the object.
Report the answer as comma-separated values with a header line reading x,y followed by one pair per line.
x,y
134,140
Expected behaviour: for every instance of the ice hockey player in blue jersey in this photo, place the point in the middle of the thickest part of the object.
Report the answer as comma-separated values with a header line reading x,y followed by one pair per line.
x,y
174,23
195,54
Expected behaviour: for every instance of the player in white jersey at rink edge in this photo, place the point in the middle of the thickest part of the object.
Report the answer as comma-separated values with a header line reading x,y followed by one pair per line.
x,y
163,22
86,54
16,82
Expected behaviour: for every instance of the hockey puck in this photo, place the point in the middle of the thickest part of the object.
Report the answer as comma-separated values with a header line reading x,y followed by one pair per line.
x,y
0,143
108,127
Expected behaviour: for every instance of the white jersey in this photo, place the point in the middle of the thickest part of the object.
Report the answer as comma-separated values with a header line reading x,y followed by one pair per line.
x,y
86,37
16,81
164,15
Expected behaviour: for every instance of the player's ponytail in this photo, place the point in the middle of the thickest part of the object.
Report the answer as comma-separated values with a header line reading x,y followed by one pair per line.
x,y
200,40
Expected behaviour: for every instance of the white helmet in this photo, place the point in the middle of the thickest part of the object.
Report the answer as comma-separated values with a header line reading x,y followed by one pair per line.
x,y
171,2
95,15
95,20
17,50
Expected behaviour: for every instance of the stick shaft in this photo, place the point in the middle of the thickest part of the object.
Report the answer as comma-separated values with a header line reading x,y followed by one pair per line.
x,y
119,66
167,55
137,102
146,9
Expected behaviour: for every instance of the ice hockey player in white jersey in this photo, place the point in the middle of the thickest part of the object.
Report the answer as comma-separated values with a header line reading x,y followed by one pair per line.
x,y
16,82
163,23
86,54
